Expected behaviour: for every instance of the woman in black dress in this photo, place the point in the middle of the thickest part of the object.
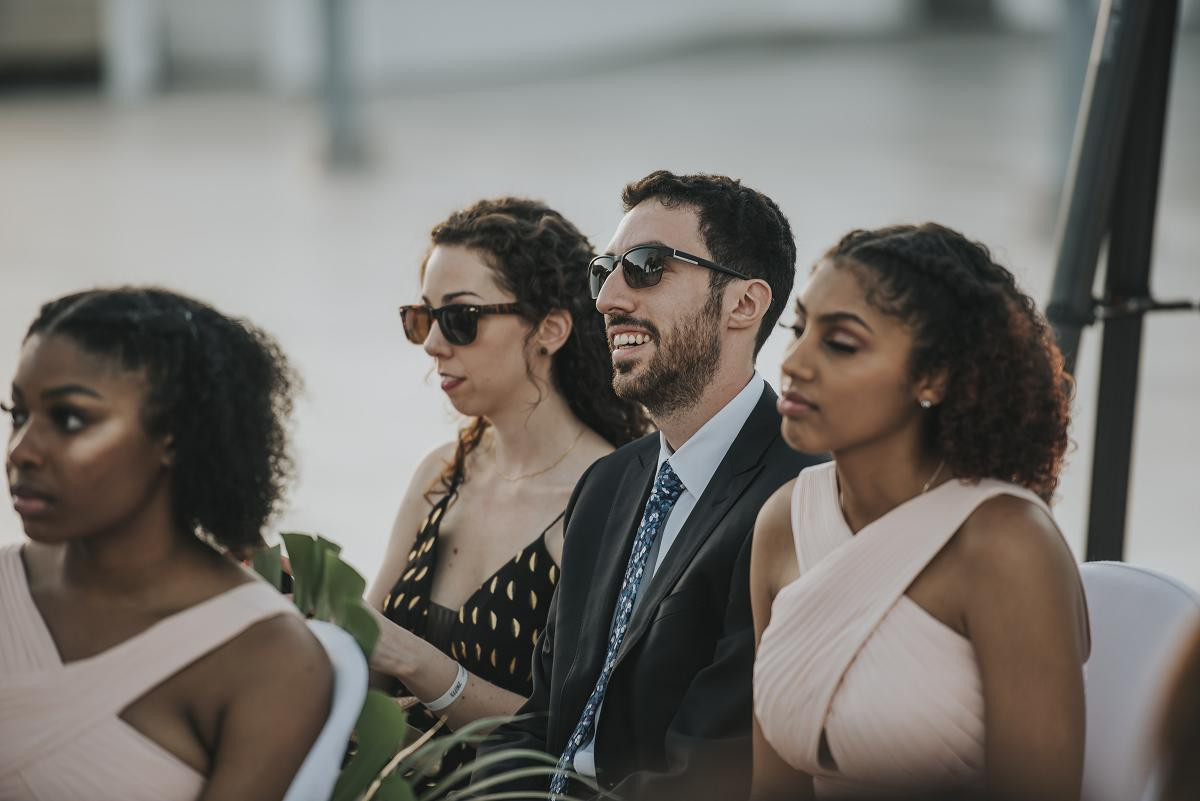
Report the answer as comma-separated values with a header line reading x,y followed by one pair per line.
x,y
471,565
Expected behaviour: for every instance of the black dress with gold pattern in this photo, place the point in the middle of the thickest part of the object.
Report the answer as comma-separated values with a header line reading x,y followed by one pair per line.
x,y
493,633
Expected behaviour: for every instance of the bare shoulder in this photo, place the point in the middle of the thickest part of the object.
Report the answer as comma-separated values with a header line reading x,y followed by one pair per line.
x,y
414,506
432,465
774,523
278,668
279,686
1013,554
282,648
1010,538
774,556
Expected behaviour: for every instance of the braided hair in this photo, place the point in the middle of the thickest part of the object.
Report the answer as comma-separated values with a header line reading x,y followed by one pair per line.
x,y
541,259
1007,402
218,386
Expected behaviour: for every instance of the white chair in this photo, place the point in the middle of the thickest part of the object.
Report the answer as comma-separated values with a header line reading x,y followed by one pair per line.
x,y
1139,620
317,774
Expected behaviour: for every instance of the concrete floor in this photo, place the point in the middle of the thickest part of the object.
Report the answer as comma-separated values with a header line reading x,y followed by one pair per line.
x,y
222,195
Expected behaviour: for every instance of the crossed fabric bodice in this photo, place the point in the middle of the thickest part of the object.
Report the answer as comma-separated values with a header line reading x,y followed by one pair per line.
x,y
895,692
61,737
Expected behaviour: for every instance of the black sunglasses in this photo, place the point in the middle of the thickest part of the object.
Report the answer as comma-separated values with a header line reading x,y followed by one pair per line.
x,y
459,321
643,266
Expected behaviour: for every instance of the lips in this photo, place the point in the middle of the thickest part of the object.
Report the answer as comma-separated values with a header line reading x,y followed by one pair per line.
x,y
450,382
628,340
793,405
29,501
625,339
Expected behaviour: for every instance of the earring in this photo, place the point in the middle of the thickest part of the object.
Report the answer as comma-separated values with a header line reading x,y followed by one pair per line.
x,y
925,403
542,350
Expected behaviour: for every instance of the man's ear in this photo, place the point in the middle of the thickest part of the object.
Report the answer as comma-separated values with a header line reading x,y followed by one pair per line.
x,y
751,303
552,332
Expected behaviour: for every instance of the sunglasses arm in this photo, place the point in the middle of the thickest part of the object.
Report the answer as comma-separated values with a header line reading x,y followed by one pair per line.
x,y
699,262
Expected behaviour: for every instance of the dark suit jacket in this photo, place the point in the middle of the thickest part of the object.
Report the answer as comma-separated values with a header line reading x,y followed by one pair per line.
x,y
676,719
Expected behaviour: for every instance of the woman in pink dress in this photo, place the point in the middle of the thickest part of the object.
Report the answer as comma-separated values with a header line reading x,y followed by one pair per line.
x,y
920,620
138,660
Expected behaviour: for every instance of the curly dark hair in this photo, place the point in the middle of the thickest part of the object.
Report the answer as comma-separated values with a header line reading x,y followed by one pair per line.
x,y
742,229
220,387
541,259
1006,409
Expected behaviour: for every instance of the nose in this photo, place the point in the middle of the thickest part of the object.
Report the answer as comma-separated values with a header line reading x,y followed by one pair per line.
x,y
615,295
435,344
23,452
797,364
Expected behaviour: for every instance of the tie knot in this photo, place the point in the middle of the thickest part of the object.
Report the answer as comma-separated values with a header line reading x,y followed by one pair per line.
x,y
666,484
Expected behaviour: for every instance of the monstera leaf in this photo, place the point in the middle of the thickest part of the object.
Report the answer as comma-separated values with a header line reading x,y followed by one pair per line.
x,y
386,765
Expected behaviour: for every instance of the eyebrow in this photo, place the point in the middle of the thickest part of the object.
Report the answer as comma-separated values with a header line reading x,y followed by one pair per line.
x,y
836,317
655,242
69,389
449,296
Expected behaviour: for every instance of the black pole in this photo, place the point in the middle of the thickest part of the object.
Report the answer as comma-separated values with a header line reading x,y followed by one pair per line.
x,y
1127,278
1091,178
345,146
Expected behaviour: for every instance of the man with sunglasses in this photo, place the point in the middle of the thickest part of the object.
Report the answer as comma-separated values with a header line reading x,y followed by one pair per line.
x,y
642,677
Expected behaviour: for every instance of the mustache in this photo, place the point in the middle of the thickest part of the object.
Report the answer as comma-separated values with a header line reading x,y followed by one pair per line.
x,y
624,319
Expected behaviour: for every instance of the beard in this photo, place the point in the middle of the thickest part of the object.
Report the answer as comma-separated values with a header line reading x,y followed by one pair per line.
x,y
683,364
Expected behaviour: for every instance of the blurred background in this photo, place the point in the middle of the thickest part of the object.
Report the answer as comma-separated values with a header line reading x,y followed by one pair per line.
x,y
285,160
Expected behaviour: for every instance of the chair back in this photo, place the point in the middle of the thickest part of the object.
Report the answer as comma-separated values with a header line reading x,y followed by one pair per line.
x,y
1139,620
317,774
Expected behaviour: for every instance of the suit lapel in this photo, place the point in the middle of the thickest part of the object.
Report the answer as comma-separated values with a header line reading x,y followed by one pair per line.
x,y
612,555
741,464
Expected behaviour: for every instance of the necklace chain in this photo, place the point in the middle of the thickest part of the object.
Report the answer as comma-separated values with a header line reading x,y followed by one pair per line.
x,y
933,478
545,469
924,487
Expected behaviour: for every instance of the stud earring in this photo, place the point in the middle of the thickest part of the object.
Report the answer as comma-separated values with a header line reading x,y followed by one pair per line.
x,y
542,350
925,403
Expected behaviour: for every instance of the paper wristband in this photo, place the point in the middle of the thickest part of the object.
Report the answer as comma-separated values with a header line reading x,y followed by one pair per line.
x,y
450,696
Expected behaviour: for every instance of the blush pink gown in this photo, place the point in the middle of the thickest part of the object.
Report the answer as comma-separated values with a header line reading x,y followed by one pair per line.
x,y
60,735
896,692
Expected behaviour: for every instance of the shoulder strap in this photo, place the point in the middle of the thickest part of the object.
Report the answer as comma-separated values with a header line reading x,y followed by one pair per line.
x,y
816,515
25,645
838,601
153,656
49,707
561,514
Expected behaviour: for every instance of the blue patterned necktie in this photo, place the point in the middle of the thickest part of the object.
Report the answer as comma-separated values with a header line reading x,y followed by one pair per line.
x,y
667,489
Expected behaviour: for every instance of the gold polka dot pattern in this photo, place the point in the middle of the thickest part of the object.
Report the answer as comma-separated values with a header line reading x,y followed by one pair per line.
x,y
493,632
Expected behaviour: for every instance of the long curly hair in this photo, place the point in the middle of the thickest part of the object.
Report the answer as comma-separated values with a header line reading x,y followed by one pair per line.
x,y
541,259
1006,408
218,386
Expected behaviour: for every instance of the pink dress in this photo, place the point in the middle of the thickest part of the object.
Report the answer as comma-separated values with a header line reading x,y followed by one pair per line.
x,y
896,692
60,735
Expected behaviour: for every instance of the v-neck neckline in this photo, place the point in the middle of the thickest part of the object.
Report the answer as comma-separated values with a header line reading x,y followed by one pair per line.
x,y
50,645
839,514
516,559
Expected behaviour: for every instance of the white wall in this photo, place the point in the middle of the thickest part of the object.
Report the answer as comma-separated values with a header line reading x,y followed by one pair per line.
x,y
275,44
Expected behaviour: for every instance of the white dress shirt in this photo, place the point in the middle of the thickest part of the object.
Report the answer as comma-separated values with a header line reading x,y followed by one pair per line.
x,y
694,463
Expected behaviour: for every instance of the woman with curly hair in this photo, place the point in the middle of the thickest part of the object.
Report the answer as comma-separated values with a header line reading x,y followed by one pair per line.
x,y
520,350
138,659
921,623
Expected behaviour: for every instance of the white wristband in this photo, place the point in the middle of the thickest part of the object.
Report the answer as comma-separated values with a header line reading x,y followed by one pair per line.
x,y
450,696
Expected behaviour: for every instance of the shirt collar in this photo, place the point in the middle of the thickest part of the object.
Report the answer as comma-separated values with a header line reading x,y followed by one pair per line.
x,y
699,457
